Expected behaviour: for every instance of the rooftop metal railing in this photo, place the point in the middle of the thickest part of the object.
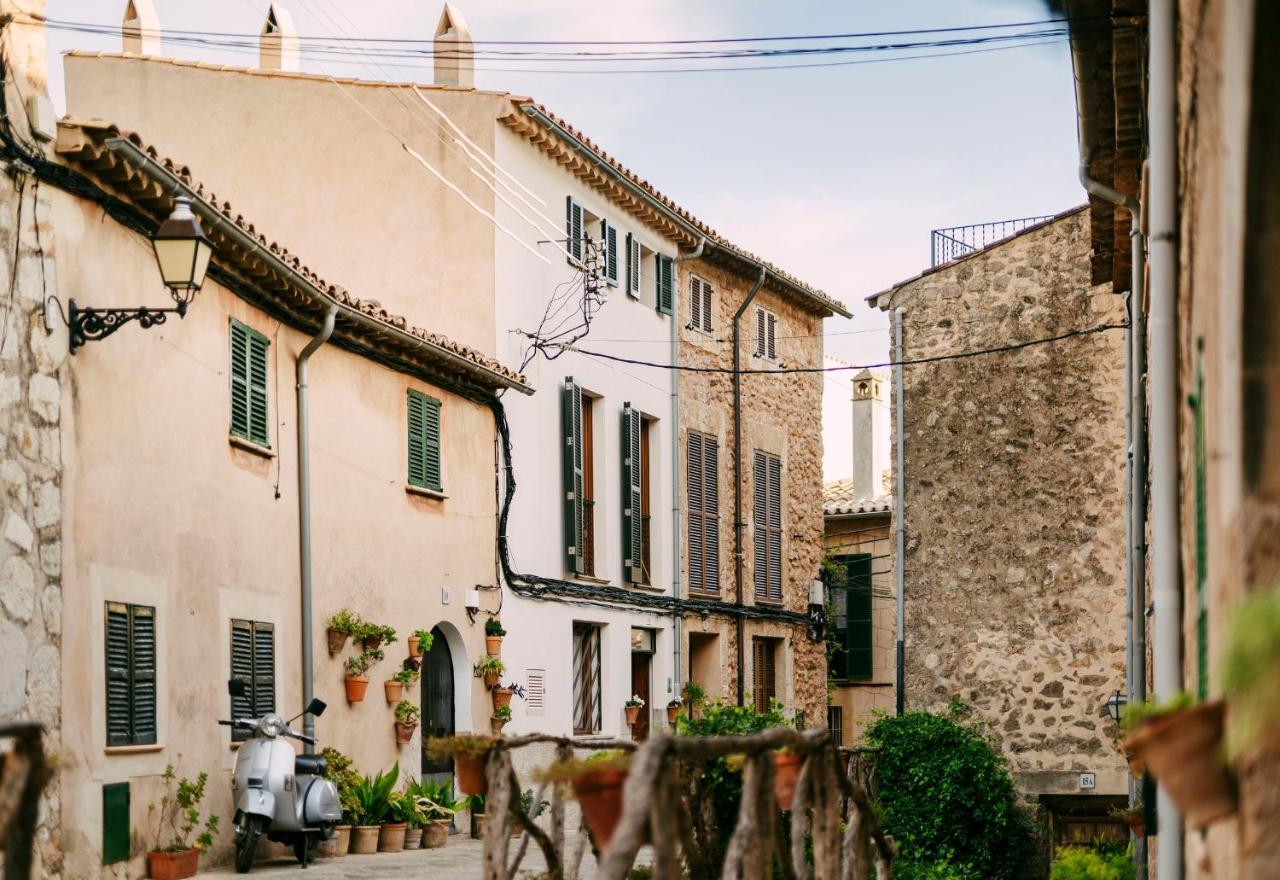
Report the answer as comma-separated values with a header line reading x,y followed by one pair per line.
x,y
952,242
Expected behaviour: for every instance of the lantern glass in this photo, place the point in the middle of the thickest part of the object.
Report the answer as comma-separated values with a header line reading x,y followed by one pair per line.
x,y
182,252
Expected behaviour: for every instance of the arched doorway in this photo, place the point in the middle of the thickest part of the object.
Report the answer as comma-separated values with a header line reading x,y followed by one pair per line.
x,y
438,711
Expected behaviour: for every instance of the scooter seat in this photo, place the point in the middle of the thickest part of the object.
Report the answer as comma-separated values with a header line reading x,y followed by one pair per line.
x,y
309,765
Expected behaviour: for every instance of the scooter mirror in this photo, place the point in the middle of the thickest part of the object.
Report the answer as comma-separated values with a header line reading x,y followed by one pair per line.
x,y
316,707
236,687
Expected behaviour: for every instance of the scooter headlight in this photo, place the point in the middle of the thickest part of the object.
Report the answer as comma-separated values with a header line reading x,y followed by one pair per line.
x,y
271,725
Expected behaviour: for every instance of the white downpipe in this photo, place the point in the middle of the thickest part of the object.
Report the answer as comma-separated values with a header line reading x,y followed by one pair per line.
x,y
900,530
1162,215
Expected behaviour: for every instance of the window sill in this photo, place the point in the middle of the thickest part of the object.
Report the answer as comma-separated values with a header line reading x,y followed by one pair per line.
x,y
591,579
646,588
770,603
705,594
250,447
425,493
133,750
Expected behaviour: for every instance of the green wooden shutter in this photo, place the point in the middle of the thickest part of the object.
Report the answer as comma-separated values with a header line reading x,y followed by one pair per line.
x,y
264,668
609,239
131,674
249,411
143,620
858,616
838,590
633,265
424,442
432,449
253,661
239,380
573,476
665,283
573,230
632,526
259,427
115,822
119,725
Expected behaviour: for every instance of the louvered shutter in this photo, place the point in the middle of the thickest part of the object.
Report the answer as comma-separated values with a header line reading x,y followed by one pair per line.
x,y
239,380
143,621
761,344
760,530
711,509
838,666
775,527
249,412
695,301
573,230
609,238
242,670
633,265
573,475
417,440
632,532
131,674
431,443
758,675
771,335
119,701
264,668
707,291
770,671
697,539
858,616
665,283
259,429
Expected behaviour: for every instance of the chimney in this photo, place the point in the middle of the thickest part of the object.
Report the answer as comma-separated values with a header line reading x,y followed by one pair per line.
x,y
870,434
454,58
27,52
278,41
140,32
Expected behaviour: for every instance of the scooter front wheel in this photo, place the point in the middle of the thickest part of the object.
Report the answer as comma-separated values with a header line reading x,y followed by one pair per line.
x,y
247,842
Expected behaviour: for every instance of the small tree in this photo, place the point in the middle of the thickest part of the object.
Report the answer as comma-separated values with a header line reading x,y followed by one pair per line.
x,y
179,814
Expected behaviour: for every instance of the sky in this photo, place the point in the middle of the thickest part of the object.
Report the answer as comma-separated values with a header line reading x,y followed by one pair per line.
x,y
835,174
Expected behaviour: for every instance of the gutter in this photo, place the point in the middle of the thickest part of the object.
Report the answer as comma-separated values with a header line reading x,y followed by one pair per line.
x,y
175,186
900,528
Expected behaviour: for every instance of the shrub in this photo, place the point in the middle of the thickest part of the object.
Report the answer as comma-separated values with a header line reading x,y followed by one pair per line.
x,y
338,770
948,800
1078,863
179,814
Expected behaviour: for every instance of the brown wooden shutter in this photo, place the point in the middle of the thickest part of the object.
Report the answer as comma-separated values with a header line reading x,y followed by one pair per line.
x,y
757,675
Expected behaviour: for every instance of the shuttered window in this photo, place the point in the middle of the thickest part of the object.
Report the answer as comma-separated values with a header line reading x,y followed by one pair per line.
x,y
633,481
424,442
764,673
703,483
253,661
700,309
633,265
664,275
609,241
249,418
131,674
576,472
586,679
851,617
573,231
767,480
766,334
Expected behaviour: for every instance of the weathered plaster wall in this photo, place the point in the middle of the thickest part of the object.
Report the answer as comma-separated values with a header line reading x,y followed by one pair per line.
x,y
1014,467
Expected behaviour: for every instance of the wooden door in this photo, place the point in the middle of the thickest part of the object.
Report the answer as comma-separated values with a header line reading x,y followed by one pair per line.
x,y
640,668
437,700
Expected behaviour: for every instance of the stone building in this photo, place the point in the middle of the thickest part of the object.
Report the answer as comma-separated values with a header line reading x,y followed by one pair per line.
x,y
1013,464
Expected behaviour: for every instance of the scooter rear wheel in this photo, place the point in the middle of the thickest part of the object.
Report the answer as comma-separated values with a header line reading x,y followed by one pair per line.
x,y
247,842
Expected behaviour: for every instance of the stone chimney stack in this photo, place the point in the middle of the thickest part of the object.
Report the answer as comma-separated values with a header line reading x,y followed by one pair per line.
x,y
455,62
140,31
278,41
870,434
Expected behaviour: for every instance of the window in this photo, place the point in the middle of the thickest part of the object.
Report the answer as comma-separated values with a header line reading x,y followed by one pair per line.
x,y
703,454
633,265
609,260
635,496
579,479
766,334
573,231
424,442
767,477
249,418
253,661
851,617
664,283
586,678
700,312
835,724
131,674
764,672
536,691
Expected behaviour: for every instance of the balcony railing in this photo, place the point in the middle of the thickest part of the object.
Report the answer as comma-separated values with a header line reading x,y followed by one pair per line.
x,y
952,242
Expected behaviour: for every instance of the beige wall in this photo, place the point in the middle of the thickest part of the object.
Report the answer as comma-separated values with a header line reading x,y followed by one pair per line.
x,y
162,510
319,167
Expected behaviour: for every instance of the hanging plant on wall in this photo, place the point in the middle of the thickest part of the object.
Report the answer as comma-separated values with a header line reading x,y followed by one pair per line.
x,y
420,642
407,715
490,669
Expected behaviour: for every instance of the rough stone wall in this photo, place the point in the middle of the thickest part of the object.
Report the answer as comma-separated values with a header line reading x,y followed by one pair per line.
x,y
781,415
1014,467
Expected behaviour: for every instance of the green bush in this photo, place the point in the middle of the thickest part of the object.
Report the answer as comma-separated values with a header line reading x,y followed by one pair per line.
x,y
948,800
1078,863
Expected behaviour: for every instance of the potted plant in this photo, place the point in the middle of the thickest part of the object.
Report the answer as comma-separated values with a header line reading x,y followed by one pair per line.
x,y
373,802
356,680
406,722
338,770
502,695
490,669
341,625
531,810
470,755
374,636
395,824
395,685
632,708
597,783
1251,674
414,812
694,696
500,718
1133,817
493,633
673,709
477,805
175,854
439,807
420,642
1180,743
786,772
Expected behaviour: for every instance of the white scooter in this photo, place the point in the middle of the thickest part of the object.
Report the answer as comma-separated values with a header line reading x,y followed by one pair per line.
x,y
277,791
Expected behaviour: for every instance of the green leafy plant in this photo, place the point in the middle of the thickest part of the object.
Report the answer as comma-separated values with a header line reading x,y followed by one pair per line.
x,y
179,814
406,676
693,693
425,639
407,713
1079,863
344,622
567,771
436,799
402,808
1251,670
373,796
526,801
1137,713
503,713
493,627
489,666
948,800
477,803
375,631
339,770
357,664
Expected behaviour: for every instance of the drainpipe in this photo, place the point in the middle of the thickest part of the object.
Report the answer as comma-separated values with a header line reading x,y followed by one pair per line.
x,y
1162,216
737,478
900,528
304,516
676,619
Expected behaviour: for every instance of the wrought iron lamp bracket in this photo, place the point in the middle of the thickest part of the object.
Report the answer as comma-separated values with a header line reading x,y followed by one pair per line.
x,y
89,324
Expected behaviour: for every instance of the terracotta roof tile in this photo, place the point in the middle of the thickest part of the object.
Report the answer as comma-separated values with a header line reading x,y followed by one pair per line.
x,y
838,500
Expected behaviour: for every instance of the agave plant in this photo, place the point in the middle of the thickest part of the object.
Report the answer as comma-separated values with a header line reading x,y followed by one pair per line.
x,y
373,796
436,799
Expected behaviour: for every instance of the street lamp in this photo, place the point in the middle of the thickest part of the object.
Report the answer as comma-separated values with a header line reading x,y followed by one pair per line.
x,y
1115,706
182,255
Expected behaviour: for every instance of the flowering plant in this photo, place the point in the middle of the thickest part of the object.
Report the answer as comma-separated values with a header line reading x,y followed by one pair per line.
x,y
635,702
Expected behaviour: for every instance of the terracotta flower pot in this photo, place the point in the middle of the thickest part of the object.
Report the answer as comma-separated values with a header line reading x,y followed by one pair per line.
x,y
414,647
391,837
337,640
496,724
173,865
786,771
491,679
633,712
600,794
1183,752
371,643
404,732
394,691
501,697
470,768
364,839
493,645
435,834
477,825
413,838
356,686
341,840
673,712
